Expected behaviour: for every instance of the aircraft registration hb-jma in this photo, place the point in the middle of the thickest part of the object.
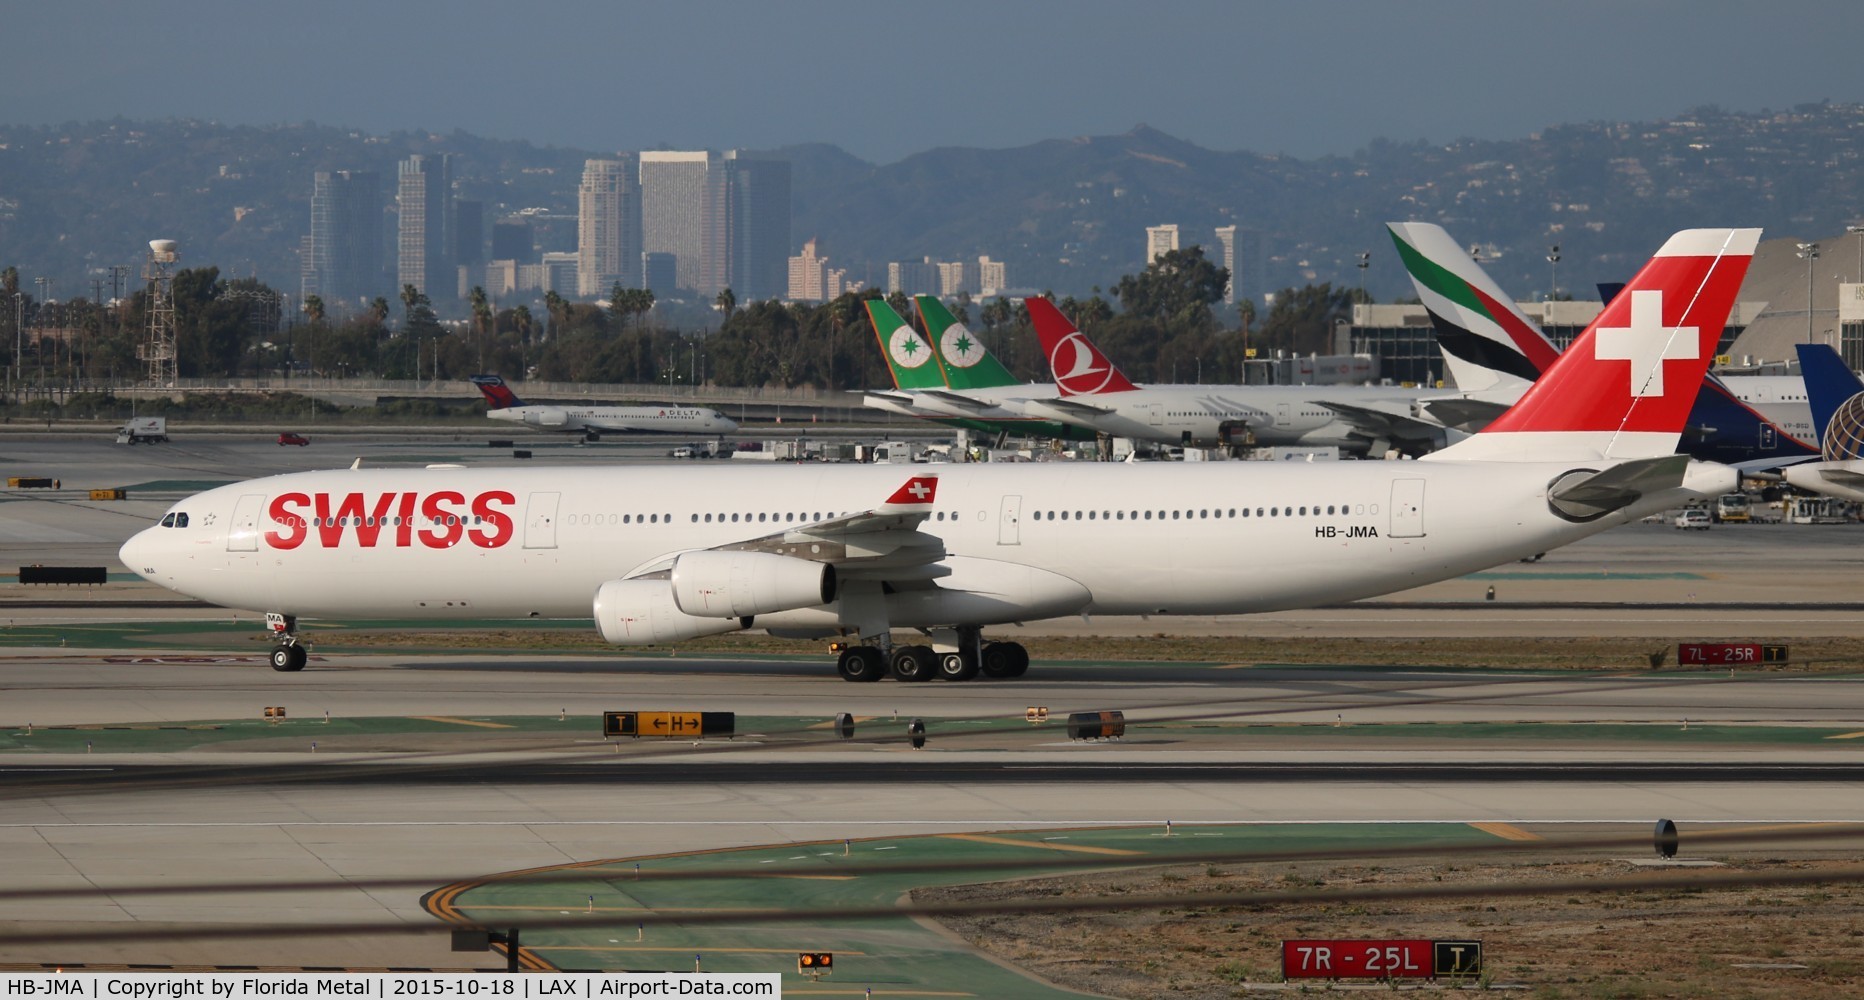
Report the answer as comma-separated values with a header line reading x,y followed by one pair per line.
x,y
658,555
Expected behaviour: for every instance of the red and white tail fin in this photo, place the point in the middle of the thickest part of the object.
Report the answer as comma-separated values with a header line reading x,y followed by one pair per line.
x,y
1625,387
1078,366
915,496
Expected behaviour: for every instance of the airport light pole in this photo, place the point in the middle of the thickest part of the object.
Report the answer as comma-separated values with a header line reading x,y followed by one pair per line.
x,y
1808,252
1553,273
1365,261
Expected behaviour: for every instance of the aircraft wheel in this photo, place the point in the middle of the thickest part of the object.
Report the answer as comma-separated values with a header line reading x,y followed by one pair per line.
x,y
957,666
861,663
998,660
289,659
1020,659
914,663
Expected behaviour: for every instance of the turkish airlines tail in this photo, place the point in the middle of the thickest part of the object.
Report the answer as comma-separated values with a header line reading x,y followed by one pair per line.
x,y
1487,343
1625,387
498,395
1077,365
909,356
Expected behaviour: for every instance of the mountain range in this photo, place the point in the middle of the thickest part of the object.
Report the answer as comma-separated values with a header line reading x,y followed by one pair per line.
x,y
1065,214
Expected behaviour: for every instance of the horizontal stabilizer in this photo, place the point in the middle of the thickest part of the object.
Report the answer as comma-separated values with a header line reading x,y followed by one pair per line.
x,y
1588,495
961,401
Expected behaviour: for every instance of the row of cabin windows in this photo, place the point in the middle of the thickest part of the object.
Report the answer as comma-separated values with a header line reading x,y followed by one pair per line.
x,y
1203,513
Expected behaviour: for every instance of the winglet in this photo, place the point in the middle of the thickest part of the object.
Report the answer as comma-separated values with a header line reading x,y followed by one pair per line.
x,y
915,496
498,395
1078,366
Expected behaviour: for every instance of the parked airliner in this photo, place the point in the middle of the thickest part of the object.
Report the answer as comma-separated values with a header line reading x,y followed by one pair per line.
x,y
661,554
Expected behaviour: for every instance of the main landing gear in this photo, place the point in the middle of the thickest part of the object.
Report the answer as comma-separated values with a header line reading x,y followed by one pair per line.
x,y
288,656
913,663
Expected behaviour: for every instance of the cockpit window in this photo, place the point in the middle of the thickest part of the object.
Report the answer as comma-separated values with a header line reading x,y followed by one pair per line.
x,y
169,521
181,520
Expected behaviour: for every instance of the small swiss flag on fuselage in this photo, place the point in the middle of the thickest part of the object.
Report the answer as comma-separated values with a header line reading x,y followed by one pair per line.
x,y
917,491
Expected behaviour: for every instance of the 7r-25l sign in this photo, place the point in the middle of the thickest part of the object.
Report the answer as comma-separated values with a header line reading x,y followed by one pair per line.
x,y
1390,959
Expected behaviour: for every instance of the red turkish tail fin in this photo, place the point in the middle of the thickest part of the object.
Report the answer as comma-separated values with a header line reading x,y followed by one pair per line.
x,y
1077,365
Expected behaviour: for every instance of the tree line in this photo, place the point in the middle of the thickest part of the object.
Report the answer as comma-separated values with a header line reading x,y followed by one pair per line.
x,y
1164,324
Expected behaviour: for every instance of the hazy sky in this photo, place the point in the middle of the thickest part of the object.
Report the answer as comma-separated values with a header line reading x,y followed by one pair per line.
x,y
885,79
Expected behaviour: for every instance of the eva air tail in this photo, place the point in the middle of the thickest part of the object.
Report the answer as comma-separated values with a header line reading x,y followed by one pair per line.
x,y
908,355
966,362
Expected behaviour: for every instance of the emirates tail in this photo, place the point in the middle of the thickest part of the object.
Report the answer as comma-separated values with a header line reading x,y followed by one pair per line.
x,y
1624,389
1077,365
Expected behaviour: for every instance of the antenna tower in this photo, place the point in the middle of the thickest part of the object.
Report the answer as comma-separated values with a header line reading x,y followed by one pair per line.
x,y
158,350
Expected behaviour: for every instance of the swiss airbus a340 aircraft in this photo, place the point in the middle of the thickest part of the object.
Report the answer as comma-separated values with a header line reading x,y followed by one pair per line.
x,y
657,555
592,421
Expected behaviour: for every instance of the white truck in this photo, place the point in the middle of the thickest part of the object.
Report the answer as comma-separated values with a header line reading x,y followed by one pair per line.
x,y
143,430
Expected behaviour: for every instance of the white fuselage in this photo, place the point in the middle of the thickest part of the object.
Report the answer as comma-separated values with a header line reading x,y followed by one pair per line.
x,y
1154,539
1211,414
618,419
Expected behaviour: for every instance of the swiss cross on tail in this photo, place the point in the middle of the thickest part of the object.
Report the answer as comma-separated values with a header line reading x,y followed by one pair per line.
x,y
1625,387
1078,366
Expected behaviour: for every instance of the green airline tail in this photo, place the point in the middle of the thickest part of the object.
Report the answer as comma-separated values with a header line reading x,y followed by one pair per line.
x,y
908,355
967,363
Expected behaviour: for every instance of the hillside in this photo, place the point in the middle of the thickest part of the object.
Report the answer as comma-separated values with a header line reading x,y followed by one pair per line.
x,y
1067,214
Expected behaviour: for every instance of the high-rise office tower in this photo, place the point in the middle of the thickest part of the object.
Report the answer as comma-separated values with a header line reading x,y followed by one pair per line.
x,y
511,240
758,219
1226,243
1160,240
468,245
344,263
683,213
424,192
608,229
808,275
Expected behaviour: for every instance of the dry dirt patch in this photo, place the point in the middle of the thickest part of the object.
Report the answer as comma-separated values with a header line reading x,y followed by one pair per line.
x,y
1686,941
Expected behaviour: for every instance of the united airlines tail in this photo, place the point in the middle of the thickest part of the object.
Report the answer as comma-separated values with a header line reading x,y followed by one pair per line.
x,y
498,396
1832,390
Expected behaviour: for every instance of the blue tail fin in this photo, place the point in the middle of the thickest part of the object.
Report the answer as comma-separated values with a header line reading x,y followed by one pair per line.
x,y
1829,383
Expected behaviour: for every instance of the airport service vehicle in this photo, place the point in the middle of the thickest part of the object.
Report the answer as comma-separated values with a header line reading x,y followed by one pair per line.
x,y
1692,517
1836,397
1094,393
1758,422
658,554
1732,508
143,430
290,437
593,421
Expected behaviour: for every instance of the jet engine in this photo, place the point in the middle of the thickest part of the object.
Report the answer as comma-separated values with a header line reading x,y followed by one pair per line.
x,y
643,613
716,584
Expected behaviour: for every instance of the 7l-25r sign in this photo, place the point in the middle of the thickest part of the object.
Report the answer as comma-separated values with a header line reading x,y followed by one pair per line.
x,y
1393,959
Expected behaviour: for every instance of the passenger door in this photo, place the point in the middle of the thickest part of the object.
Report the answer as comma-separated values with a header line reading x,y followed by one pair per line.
x,y
1407,508
540,521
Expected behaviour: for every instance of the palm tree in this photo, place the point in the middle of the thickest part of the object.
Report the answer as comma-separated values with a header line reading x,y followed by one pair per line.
x,y
410,297
727,302
481,320
314,308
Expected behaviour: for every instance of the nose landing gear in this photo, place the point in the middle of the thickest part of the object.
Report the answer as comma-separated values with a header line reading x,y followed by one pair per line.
x,y
288,656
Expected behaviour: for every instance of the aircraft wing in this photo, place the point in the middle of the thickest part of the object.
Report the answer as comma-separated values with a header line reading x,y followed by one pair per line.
x,y
1384,425
961,401
883,542
1461,412
1066,407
